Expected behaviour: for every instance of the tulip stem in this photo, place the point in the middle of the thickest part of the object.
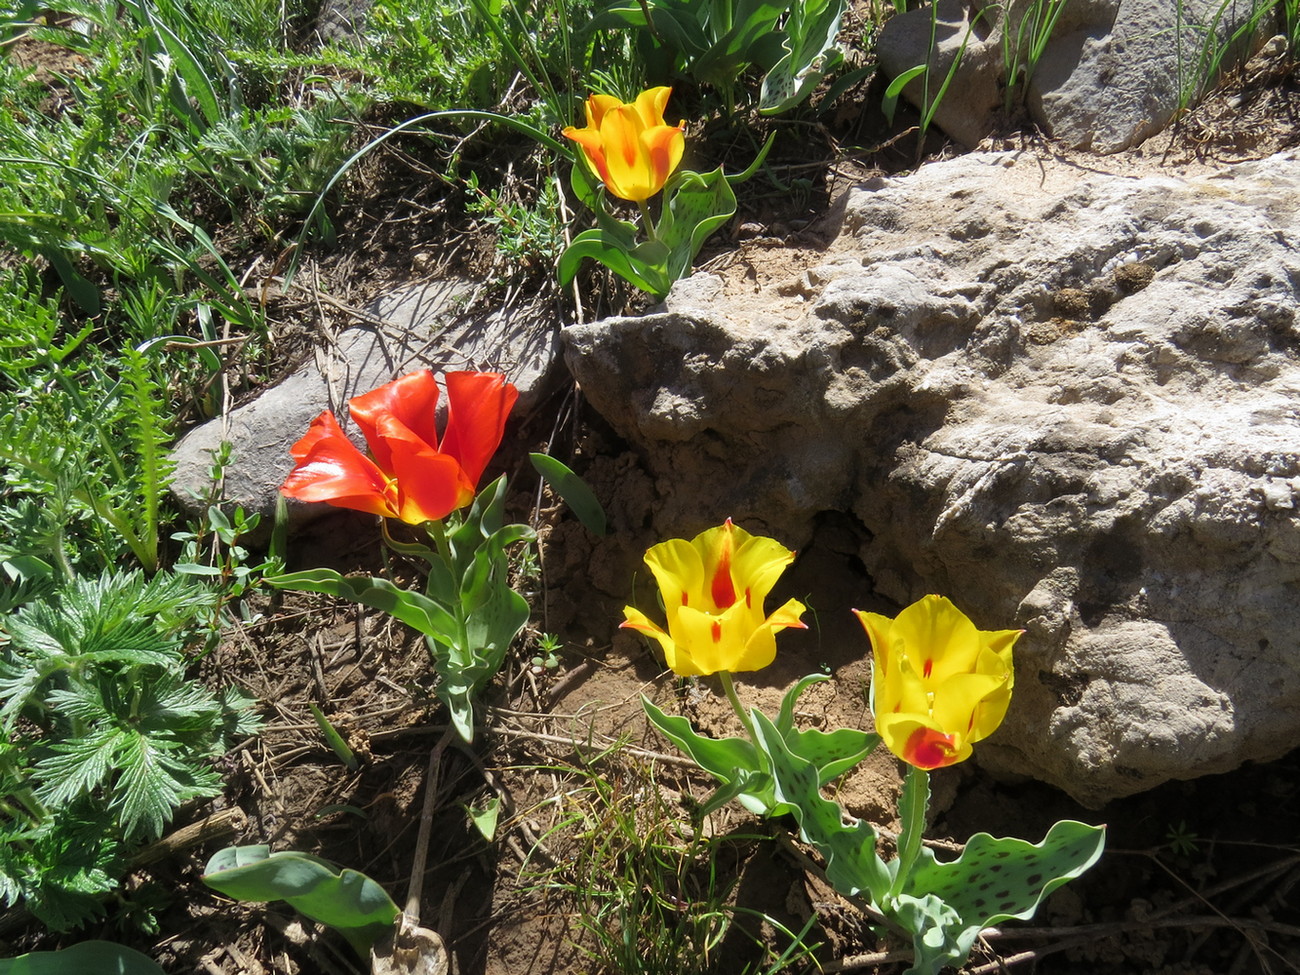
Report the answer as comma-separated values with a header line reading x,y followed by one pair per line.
x,y
646,219
911,813
730,688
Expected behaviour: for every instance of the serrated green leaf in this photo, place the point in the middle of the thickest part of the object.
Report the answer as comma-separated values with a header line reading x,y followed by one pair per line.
x,y
78,767
151,786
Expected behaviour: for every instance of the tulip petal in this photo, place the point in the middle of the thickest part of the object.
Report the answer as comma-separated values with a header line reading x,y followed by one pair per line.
x,y
679,570
330,468
598,105
431,485
940,638
478,404
707,643
412,400
650,105
592,147
759,562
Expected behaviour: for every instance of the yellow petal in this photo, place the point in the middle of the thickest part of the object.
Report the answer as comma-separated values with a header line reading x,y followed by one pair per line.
x,y
706,644
878,628
597,106
757,565
938,683
941,641
650,105
678,569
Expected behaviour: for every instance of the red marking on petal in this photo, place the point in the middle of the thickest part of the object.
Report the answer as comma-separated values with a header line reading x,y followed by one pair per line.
x,y
717,631
685,598
929,666
749,598
723,589
929,749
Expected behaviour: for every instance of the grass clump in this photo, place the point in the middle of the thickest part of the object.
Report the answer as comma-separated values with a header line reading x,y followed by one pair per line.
x,y
653,893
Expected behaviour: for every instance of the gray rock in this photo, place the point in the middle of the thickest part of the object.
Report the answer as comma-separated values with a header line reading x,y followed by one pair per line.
x,y
1112,84
413,326
1071,404
1100,75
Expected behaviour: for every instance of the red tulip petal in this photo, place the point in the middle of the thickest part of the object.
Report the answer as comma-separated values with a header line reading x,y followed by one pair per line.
x,y
323,426
331,469
478,404
430,485
411,399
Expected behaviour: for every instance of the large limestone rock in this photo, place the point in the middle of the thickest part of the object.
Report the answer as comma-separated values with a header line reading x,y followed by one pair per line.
x,y
1070,402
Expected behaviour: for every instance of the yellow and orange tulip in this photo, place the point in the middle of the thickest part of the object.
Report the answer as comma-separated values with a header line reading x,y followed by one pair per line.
x,y
412,475
713,589
937,683
629,144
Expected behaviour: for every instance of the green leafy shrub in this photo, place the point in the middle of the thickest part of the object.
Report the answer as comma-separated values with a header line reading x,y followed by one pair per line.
x,y
106,736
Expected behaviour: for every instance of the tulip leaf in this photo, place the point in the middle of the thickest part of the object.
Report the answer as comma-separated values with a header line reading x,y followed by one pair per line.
x,y
810,52
742,769
412,608
697,205
946,905
720,757
348,901
852,864
85,958
643,266
573,491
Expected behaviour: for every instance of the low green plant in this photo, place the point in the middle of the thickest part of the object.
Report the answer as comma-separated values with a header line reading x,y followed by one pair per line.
x,y
215,552
526,234
715,42
83,460
931,95
1023,44
1217,45
106,735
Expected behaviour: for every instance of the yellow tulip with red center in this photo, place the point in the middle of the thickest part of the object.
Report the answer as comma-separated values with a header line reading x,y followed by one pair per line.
x,y
938,684
629,144
713,589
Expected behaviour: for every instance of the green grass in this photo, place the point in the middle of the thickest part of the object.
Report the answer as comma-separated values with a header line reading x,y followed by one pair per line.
x,y
650,891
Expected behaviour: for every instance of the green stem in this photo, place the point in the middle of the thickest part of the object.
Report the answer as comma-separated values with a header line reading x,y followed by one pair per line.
x,y
438,531
741,713
646,219
911,811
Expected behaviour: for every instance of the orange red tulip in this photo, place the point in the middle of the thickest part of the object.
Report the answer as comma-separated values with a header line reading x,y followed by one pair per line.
x,y
413,474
